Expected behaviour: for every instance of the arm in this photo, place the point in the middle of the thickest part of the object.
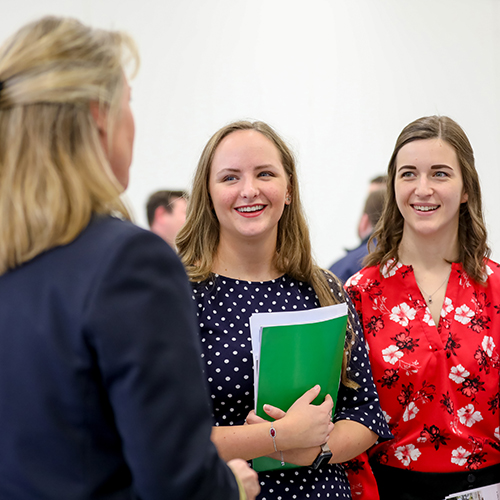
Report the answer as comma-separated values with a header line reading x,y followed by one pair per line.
x,y
303,425
354,407
140,323
347,440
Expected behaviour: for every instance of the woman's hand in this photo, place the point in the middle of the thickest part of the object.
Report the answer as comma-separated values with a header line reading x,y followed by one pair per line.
x,y
247,477
304,425
297,456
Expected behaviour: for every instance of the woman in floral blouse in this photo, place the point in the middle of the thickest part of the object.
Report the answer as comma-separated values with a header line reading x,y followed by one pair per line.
x,y
429,302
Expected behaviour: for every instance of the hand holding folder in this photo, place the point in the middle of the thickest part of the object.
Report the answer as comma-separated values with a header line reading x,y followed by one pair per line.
x,y
293,351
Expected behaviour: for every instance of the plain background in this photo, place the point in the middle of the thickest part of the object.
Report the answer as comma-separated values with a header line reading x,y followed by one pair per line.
x,y
338,79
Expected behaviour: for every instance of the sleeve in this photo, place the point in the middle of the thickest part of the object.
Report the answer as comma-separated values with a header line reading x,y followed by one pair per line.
x,y
141,323
361,404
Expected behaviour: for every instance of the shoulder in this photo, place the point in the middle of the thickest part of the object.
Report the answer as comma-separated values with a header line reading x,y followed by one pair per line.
x,y
493,272
333,281
109,235
366,274
109,246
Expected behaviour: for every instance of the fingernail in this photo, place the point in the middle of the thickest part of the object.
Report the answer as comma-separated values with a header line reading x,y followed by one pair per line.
x,y
266,407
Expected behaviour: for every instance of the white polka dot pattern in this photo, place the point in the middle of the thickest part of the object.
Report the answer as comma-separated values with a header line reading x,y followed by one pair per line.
x,y
224,306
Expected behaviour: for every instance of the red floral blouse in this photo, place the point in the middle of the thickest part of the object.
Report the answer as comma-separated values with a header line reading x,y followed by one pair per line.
x,y
438,386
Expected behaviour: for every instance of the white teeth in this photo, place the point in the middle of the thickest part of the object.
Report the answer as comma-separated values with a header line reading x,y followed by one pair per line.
x,y
255,208
425,208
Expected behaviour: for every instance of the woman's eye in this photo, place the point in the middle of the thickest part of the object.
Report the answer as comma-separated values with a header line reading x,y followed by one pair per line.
x,y
228,178
441,174
265,174
407,174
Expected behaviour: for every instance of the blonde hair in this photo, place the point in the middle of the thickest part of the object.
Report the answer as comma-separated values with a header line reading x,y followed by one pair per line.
x,y
472,236
198,240
53,170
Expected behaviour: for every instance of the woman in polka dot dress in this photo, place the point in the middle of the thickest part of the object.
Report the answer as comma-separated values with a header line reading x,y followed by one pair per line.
x,y
246,249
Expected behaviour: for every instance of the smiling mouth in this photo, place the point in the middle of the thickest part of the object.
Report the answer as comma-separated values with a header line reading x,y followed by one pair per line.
x,y
425,208
254,208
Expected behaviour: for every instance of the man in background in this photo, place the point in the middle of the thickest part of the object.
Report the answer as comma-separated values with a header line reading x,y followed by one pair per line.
x,y
166,212
352,262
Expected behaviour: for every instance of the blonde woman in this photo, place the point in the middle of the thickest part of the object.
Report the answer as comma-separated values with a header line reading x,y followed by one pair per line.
x,y
100,383
246,248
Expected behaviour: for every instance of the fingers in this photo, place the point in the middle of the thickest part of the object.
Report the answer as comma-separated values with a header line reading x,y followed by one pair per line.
x,y
327,403
274,412
247,476
310,395
253,418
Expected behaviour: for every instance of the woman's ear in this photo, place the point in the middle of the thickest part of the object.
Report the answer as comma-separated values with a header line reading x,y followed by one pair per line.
x,y
100,116
465,197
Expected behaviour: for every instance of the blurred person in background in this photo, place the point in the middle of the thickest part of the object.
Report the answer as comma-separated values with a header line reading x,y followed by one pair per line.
x,y
166,212
352,262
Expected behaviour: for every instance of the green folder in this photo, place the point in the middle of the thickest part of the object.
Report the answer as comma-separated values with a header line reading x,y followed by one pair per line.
x,y
297,351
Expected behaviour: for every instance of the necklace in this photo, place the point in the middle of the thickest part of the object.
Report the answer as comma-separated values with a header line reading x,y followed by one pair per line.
x,y
429,295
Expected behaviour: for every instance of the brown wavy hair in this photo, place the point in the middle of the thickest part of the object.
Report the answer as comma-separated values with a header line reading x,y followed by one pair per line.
x,y
198,240
472,237
54,173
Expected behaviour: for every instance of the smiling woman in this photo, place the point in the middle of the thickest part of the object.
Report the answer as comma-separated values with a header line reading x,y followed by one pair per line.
x,y
430,303
246,247
429,190
249,189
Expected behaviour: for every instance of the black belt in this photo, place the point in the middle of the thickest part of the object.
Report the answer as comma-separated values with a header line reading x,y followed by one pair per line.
x,y
402,484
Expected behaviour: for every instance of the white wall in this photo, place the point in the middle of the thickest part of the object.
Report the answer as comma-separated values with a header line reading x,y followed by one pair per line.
x,y
338,78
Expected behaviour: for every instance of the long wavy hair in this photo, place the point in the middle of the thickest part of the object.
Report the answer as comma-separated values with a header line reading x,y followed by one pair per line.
x,y
54,173
198,240
472,237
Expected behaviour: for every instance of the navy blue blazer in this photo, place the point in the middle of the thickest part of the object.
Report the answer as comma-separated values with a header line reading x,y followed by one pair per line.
x,y
351,263
101,387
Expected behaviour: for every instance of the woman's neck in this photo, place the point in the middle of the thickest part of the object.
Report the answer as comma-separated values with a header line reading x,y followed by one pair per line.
x,y
249,261
427,252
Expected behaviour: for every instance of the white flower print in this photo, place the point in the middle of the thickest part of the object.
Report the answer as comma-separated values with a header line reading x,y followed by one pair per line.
x,y
468,416
454,426
464,281
392,354
407,453
488,345
459,456
410,412
447,307
386,273
353,280
497,433
489,271
379,304
403,314
388,417
410,368
428,319
463,314
458,374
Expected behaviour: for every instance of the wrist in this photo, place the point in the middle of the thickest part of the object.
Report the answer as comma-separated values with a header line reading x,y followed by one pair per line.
x,y
273,434
323,458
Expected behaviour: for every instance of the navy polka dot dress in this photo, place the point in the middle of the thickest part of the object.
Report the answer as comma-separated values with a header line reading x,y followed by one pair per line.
x,y
224,306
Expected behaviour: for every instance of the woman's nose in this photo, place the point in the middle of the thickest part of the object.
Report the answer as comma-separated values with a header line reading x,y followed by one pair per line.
x,y
249,189
424,187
